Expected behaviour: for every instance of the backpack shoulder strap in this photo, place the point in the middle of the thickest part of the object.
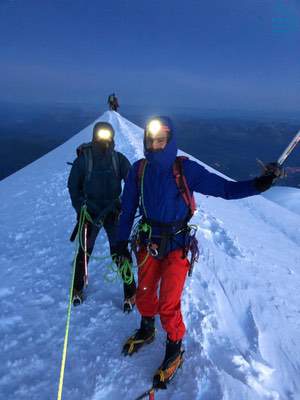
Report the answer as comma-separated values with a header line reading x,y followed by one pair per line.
x,y
116,163
182,184
140,171
88,156
86,150
80,149
140,176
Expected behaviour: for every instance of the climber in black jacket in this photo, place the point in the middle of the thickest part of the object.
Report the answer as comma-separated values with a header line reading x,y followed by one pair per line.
x,y
95,181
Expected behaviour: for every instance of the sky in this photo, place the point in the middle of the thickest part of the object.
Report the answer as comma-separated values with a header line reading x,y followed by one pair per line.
x,y
238,54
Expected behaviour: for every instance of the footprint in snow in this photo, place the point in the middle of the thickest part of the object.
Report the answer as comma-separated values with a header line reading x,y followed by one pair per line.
x,y
213,230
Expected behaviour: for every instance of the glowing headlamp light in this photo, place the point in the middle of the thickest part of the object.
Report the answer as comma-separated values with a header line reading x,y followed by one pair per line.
x,y
104,134
154,127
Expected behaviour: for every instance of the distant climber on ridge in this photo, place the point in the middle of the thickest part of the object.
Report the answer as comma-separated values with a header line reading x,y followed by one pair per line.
x,y
95,187
113,102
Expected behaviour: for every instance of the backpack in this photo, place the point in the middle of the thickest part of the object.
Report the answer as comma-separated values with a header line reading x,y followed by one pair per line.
x,y
86,150
180,179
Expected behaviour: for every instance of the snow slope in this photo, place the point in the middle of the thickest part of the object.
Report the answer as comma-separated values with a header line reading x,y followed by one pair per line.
x,y
241,307
287,197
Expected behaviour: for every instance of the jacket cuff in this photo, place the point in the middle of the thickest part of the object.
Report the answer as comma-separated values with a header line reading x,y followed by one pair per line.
x,y
263,183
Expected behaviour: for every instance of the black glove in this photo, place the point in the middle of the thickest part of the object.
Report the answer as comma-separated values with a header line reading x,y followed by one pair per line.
x,y
121,253
90,208
273,169
129,296
271,172
129,289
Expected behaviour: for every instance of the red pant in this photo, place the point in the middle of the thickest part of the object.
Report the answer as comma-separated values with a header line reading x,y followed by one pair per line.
x,y
170,273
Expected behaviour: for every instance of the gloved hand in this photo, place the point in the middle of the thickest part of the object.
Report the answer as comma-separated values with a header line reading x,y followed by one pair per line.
x,y
271,172
129,296
90,208
273,169
121,253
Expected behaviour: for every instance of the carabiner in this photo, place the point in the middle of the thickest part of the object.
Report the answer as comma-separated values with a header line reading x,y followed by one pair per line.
x,y
152,250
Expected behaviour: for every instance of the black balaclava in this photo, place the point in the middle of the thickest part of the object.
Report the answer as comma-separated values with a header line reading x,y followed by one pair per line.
x,y
103,145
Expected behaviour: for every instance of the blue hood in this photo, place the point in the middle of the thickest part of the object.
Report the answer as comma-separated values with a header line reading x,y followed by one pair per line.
x,y
164,159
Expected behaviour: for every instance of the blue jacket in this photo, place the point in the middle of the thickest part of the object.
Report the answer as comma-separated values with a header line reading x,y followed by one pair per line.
x,y
162,200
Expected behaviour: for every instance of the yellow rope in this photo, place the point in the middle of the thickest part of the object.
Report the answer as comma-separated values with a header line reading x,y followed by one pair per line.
x,y
65,347
64,354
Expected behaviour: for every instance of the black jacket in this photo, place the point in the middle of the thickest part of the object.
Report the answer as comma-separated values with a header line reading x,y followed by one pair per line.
x,y
103,188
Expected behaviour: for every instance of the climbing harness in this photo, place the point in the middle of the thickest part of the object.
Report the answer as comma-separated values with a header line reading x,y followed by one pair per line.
x,y
139,230
157,245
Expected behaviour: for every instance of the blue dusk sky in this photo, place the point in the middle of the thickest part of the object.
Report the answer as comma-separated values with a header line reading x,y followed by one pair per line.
x,y
216,54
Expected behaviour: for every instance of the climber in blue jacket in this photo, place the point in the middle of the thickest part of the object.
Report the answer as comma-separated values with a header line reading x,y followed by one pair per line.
x,y
164,197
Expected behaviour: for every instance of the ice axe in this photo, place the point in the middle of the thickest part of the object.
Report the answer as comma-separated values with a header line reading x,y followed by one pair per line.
x,y
287,151
293,143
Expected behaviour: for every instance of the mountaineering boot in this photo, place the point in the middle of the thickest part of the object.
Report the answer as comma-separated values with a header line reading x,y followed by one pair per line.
x,y
172,361
129,297
78,297
142,336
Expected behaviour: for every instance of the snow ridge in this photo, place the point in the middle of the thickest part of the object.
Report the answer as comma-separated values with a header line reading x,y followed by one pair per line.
x,y
241,306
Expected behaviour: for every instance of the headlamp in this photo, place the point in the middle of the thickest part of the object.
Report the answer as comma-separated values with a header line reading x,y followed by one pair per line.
x,y
104,134
154,128
157,134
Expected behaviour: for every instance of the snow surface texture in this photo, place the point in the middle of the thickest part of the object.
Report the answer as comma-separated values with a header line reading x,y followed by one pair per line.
x,y
241,307
287,197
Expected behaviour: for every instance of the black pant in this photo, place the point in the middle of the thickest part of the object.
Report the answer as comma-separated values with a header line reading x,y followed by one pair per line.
x,y
110,226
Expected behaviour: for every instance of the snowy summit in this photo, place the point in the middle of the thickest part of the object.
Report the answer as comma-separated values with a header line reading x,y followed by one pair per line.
x,y
241,306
